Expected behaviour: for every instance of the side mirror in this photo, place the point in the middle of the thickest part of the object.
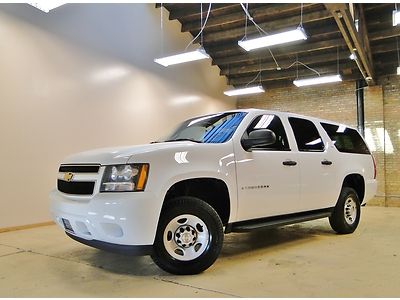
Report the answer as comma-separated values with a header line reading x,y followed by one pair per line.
x,y
259,138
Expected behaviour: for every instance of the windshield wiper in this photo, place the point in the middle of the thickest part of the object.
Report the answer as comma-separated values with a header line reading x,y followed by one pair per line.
x,y
179,140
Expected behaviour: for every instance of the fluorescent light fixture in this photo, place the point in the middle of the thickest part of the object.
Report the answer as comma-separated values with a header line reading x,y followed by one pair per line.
x,y
245,91
398,70
396,18
274,39
46,6
317,80
182,58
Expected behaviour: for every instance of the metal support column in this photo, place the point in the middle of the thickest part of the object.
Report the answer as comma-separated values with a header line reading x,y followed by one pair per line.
x,y
360,84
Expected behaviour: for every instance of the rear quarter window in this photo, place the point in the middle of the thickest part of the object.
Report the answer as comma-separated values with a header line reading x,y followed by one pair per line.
x,y
346,139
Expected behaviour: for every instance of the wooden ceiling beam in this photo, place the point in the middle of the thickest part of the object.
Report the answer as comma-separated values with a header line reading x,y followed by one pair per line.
x,y
364,33
237,19
384,48
275,82
374,6
292,50
272,27
231,49
191,11
290,73
345,22
392,32
288,83
323,31
270,65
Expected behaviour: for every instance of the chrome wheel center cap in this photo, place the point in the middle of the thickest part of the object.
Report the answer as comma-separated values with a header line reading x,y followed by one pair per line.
x,y
185,236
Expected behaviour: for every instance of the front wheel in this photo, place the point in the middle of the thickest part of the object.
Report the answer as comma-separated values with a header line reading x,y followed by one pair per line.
x,y
189,236
346,215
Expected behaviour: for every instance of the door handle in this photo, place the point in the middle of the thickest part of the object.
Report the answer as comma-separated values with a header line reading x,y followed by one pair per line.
x,y
326,162
289,163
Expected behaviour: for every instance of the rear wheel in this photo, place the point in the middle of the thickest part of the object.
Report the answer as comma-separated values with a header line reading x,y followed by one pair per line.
x,y
189,236
346,215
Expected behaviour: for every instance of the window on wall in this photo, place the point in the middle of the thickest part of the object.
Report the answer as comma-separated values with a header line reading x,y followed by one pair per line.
x,y
273,123
346,139
306,134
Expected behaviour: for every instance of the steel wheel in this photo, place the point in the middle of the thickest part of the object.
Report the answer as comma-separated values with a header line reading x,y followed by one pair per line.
x,y
189,236
186,237
350,211
347,212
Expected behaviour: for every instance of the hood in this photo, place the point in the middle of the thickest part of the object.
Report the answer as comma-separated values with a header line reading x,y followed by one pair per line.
x,y
119,155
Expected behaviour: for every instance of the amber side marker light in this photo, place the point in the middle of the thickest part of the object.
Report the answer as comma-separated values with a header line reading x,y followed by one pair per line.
x,y
142,178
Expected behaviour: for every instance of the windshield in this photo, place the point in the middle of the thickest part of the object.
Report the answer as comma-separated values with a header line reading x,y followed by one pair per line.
x,y
217,128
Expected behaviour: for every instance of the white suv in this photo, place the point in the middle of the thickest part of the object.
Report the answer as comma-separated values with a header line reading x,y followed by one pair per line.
x,y
233,171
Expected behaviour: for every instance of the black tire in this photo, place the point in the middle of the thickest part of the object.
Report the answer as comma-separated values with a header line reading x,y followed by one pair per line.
x,y
347,212
170,251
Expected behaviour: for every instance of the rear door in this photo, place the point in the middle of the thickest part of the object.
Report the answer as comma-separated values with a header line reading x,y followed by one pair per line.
x,y
317,165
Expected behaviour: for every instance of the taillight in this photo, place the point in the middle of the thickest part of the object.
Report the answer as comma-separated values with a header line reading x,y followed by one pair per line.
x,y
373,159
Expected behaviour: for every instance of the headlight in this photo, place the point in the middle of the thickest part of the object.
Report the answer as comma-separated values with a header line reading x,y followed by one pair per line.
x,y
125,178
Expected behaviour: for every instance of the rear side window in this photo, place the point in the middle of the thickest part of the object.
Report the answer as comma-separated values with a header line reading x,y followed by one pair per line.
x,y
346,139
273,123
306,134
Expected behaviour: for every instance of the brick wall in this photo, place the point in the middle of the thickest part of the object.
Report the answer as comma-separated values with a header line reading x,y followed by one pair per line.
x,y
391,119
337,102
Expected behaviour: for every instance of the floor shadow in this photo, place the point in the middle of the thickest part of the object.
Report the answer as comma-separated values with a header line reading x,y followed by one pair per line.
x,y
270,239
235,244
121,264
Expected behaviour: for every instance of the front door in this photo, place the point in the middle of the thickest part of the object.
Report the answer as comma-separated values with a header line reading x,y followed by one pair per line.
x,y
268,177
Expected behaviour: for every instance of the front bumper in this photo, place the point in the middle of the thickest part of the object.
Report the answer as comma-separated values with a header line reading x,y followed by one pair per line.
x,y
116,248
124,219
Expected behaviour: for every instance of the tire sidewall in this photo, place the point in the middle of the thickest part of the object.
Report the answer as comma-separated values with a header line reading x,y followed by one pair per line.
x,y
202,210
338,219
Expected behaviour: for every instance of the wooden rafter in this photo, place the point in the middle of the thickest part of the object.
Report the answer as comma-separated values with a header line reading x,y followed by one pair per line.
x,y
289,74
273,26
271,66
237,19
345,22
295,49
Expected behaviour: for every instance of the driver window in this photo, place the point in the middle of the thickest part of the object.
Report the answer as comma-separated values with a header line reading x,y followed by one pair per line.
x,y
274,124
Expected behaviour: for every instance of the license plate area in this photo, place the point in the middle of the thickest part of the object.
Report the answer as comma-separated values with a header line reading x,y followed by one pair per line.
x,y
67,225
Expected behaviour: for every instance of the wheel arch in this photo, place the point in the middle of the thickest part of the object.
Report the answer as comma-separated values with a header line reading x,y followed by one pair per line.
x,y
357,182
212,190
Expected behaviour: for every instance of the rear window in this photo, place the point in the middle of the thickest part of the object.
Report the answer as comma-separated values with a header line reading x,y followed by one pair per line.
x,y
346,139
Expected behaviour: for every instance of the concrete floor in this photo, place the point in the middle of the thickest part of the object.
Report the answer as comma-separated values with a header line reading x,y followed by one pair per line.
x,y
303,260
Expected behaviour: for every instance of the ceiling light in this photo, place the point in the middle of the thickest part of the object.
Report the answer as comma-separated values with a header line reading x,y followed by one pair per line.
x,y
396,18
274,39
398,70
317,80
353,56
46,6
245,91
182,58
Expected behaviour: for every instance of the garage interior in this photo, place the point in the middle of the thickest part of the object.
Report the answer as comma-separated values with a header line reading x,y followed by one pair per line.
x,y
83,76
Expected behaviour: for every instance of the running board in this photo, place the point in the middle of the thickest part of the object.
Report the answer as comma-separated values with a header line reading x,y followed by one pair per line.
x,y
245,226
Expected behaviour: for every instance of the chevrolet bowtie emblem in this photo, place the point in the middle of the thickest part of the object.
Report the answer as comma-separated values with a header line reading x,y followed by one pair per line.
x,y
68,176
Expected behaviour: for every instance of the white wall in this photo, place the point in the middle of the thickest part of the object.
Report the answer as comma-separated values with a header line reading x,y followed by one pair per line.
x,y
83,77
